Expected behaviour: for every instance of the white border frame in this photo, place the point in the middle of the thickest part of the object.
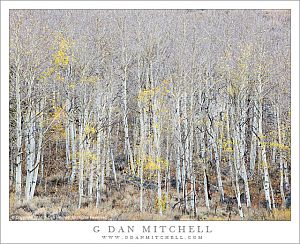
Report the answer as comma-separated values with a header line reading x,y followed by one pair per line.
x,y
81,232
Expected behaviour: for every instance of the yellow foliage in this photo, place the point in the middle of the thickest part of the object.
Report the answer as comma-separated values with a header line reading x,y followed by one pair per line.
x,y
231,90
265,164
155,125
90,79
227,146
161,202
219,123
166,82
72,85
61,58
146,94
262,143
279,146
261,136
89,129
59,78
151,166
163,162
47,73
64,44
57,112
157,164
88,155
59,131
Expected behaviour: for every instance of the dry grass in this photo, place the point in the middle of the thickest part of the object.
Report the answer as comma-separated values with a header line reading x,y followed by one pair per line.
x,y
122,205
280,214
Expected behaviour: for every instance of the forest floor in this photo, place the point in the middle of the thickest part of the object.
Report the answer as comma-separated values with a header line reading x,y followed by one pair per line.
x,y
60,203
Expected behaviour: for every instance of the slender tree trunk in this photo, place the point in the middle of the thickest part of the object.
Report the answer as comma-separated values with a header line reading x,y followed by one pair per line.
x,y
98,167
238,193
242,149
91,181
235,168
281,172
262,146
30,151
230,146
81,162
185,147
178,147
82,150
128,151
254,133
73,150
213,139
39,150
142,153
67,132
18,192
203,160
272,196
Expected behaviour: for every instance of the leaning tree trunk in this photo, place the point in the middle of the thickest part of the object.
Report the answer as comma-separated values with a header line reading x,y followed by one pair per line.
x,y
280,160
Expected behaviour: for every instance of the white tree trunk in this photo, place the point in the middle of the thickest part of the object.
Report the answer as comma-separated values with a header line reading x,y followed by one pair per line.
x,y
213,140
39,150
281,172
82,150
67,131
98,167
262,146
73,150
203,160
178,147
18,192
128,150
235,167
91,181
30,154
253,149
81,163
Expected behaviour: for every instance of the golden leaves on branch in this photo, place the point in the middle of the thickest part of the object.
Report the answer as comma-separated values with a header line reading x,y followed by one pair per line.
x,y
61,57
155,164
87,155
90,79
161,202
89,129
279,146
161,90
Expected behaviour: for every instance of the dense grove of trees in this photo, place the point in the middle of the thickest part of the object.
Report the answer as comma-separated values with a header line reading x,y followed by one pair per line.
x,y
188,103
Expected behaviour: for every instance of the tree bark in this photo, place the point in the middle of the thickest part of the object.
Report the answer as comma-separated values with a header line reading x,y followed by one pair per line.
x,y
18,189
